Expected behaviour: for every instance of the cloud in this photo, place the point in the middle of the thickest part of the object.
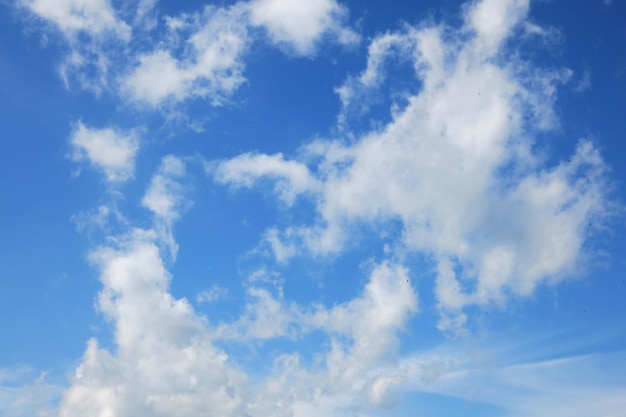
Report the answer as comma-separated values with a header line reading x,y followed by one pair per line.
x,y
154,62
95,17
210,67
164,363
584,83
94,33
299,25
291,178
452,175
108,150
164,195
356,92
164,360
165,198
571,386
23,394
455,167
212,294
493,22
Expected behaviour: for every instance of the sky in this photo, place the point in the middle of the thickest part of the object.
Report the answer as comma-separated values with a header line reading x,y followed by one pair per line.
x,y
322,208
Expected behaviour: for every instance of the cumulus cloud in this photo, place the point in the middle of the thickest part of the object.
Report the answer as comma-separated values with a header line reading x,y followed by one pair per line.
x,y
197,55
372,318
299,25
164,363
165,360
72,16
291,178
210,67
108,150
455,166
164,196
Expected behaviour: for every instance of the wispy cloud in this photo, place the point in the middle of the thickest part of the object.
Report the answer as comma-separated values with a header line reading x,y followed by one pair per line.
x,y
584,82
25,394
570,386
212,294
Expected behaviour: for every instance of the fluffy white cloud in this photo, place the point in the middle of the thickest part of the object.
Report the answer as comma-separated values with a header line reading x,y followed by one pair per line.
x,y
164,196
455,166
96,17
191,55
108,150
291,178
299,25
494,20
211,66
165,362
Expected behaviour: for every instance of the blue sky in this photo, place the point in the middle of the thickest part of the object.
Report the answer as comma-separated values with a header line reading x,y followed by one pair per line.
x,y
321,208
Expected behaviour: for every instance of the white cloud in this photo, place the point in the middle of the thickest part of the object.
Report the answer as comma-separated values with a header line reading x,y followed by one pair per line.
x,y
571,386
23,394
212,294
101,218
164,362
494,20
195,55
356,91
96,17
455,167
164,196
371,320
299,25
211,66
291,178
93,32
108,150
